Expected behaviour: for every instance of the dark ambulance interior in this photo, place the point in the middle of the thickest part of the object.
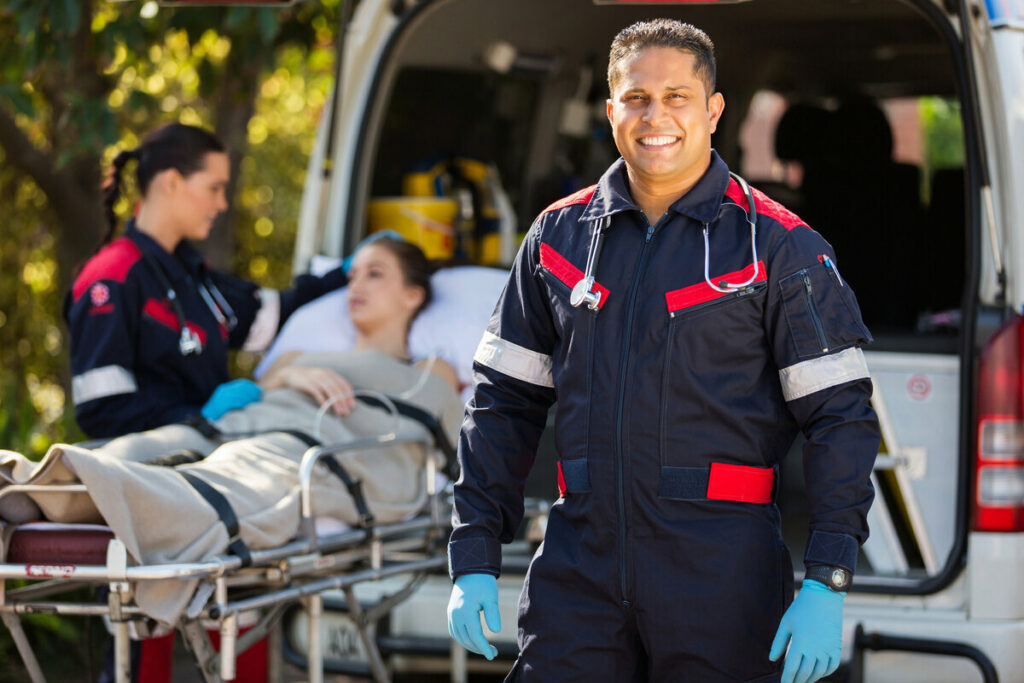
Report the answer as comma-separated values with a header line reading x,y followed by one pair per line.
x,y
817,100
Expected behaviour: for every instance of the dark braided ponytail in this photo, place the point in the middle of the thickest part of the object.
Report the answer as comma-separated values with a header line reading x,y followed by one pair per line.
x,y
112,191
176,145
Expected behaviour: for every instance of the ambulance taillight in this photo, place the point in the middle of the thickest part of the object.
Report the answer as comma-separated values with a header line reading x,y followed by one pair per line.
x,y
999,463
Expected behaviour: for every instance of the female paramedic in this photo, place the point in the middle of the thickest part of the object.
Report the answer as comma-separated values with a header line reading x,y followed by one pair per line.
x,y
685,355
150,322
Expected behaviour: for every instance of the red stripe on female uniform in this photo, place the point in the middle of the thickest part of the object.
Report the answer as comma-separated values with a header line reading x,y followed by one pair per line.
x,y
112,262
161,313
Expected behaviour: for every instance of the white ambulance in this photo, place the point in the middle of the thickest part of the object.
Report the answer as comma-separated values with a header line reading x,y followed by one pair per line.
x,y
894,127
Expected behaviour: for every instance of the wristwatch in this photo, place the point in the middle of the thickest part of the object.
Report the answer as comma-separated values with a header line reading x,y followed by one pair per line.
x,y
835,578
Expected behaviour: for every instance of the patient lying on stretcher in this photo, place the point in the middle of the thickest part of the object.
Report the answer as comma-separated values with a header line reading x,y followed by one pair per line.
x,y
252,455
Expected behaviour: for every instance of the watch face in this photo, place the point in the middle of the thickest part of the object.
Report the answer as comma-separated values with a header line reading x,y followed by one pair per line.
x,y
839,578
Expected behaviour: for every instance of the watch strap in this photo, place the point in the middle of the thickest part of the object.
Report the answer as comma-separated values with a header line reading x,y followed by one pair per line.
x,y
834,578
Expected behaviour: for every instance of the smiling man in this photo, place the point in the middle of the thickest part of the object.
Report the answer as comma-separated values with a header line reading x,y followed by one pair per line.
x,y
688,327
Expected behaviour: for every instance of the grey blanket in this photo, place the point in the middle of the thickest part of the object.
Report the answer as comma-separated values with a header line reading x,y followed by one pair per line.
x,y
162,519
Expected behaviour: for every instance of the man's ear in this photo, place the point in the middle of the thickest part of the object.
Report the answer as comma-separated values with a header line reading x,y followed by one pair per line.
x,y
716,105
611,116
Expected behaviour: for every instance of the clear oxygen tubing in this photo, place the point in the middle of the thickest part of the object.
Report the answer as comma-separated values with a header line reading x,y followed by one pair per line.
x,y
331,400
411,391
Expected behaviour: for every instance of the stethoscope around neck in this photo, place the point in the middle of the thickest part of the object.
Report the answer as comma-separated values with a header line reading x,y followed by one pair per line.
x,y
189,342
583,292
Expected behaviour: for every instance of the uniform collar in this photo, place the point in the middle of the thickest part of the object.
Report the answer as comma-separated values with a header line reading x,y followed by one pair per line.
x,y
186,259
701,203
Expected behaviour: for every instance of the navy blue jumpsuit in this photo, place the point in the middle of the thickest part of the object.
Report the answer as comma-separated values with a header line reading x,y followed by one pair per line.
x,y
663,558
128,371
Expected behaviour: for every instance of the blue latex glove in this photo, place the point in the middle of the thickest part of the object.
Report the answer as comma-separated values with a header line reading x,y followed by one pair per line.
x,y
815,623
471,594
390,234
230,396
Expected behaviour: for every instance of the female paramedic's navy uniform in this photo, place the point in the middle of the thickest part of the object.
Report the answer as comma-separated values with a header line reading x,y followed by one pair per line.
x,y
129,370
676,404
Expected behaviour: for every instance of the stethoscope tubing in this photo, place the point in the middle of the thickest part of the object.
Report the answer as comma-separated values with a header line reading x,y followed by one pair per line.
x,y
583,292
189,343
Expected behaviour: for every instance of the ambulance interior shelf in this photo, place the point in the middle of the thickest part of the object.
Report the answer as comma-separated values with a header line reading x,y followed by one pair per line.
x,y
455,209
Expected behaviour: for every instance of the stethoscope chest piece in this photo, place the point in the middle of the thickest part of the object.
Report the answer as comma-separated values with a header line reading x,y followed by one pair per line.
x,y
583,293
188,342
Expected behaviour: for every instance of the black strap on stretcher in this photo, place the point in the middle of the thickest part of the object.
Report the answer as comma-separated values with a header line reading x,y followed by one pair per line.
x,y
354,486
226,513
205,428
224,510
451,466
432,424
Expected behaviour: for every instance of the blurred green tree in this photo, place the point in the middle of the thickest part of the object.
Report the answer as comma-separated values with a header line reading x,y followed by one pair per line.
x,y
82,79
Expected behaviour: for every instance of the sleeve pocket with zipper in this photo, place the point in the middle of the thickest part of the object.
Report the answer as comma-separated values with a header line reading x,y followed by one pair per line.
x,y
821,312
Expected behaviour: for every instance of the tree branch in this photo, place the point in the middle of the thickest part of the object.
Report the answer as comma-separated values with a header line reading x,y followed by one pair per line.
x,y
25,156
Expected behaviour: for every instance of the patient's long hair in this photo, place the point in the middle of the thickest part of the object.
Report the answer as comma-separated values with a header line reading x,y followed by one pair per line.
x,y
416,269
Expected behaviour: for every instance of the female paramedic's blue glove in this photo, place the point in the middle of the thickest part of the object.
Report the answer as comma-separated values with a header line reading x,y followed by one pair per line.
x,y
815,623
230,396
471,594
346,265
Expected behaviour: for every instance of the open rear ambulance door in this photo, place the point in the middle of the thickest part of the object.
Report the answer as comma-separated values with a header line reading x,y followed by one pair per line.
x,y
331,165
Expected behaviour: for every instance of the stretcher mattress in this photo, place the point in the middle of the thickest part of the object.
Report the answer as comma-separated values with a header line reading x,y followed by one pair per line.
x,y
57,544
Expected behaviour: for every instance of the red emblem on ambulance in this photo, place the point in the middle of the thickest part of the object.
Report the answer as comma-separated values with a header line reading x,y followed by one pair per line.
x,y
919,387
99,294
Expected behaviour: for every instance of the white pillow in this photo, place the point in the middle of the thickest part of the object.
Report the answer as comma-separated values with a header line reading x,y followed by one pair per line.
x,y
450,327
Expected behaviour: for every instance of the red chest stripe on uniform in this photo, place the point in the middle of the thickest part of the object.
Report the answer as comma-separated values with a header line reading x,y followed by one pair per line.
x,y
162,313
562,488
581,197
569,274
112,262
765,205
700,293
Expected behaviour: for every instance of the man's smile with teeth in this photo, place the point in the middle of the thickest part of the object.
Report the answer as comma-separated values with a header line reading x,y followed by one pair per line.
x,y
658,140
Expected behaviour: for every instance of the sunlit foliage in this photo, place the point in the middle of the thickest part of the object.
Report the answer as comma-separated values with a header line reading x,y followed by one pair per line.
x,y
80,81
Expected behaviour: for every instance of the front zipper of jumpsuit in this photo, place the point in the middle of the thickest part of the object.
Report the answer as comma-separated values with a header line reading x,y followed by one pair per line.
x,y
623,364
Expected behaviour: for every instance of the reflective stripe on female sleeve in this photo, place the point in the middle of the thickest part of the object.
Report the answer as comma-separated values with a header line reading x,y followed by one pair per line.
x,y
110,380
268,318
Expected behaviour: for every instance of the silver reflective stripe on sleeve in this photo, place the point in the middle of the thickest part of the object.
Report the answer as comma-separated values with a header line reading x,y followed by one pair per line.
x,y
816,374
514,360
264,327
110,380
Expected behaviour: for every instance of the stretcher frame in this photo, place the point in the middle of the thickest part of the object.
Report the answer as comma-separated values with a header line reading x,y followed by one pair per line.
x,y
299,570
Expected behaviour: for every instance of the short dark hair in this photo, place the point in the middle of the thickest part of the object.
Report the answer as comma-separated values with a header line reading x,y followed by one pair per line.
x,y
664,33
